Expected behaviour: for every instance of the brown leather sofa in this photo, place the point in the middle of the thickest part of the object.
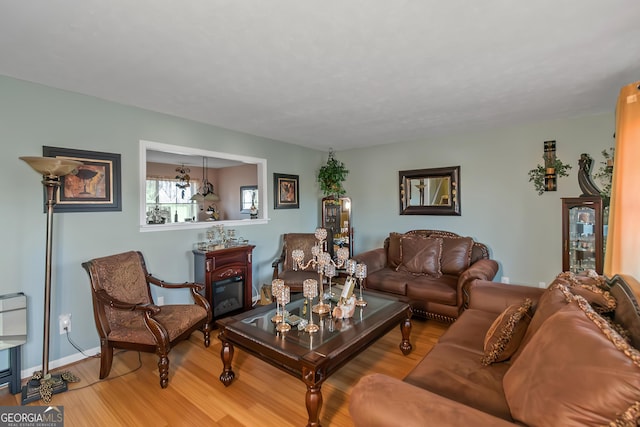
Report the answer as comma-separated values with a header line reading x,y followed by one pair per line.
x,y
430,269
574,362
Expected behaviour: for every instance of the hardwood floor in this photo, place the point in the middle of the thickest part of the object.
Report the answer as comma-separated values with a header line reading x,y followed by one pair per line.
x,y
260,395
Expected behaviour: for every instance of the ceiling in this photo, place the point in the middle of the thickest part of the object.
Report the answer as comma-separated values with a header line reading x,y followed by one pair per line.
x,y
333,73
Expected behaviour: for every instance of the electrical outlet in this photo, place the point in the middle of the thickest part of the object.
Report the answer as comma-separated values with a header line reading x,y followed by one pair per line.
x,y
65,322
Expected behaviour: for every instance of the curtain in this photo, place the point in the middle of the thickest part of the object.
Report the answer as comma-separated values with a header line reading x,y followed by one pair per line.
x,y
623,239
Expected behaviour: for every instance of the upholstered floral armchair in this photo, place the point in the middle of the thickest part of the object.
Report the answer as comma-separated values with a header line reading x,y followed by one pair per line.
x,y
126,316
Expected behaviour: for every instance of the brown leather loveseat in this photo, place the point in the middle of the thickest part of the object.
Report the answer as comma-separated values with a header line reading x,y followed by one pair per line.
x,y
430,269
564,356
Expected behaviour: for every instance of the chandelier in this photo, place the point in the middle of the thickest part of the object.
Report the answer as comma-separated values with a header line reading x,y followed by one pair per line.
x,y
206,190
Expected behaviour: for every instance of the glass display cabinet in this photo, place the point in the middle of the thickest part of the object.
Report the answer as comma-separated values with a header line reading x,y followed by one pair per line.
x,y
582,234
336,218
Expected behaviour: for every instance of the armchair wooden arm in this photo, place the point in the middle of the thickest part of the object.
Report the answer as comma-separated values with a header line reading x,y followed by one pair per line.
x,y
278,264
168,285
112,302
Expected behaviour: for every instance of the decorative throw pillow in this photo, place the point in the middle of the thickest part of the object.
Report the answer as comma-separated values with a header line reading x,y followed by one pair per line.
x,y
602,301
456,254
579,364
505,334
394,259
593,289
420,255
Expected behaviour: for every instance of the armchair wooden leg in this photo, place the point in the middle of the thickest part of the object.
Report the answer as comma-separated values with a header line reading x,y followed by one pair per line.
x,y
163,368
106,358
206,331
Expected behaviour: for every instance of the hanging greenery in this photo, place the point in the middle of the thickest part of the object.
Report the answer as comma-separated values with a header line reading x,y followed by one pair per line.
x,y
332,175
537,175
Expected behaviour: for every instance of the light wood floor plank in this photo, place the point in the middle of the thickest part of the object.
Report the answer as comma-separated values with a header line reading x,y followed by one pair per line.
x,y
260,395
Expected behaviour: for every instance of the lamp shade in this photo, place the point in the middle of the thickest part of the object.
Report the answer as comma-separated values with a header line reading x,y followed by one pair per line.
x,y
51,166
212,197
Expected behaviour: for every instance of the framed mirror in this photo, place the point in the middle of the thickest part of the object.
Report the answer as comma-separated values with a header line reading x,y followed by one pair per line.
x,y
183,187
434,191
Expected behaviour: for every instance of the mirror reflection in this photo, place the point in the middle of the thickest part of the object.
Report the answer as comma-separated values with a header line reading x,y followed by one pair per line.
x,y
249,199
193,188
427,191
434,191
336,218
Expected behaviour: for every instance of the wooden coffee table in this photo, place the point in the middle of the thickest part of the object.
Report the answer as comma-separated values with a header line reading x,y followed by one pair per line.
x,y
312,357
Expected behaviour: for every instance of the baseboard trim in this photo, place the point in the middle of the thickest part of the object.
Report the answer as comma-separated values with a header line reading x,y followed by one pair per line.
x,y
68,360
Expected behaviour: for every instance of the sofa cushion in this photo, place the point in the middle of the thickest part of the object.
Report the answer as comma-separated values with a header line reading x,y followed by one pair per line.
x,y
469,330
394,258
441,289
457,374
378,400
456,254
506,332
389,280
420,255
580,364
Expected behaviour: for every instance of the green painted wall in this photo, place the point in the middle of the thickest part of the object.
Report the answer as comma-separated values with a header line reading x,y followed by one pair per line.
x,y
32,116
499,205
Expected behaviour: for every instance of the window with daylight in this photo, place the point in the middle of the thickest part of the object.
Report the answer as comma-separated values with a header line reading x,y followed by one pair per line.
x,y
172,175
169,200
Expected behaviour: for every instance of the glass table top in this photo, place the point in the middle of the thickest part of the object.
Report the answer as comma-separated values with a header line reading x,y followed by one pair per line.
x,y
330,328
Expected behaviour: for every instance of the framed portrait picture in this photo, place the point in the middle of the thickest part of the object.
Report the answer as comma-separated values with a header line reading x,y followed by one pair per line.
x,y
286,191
94,187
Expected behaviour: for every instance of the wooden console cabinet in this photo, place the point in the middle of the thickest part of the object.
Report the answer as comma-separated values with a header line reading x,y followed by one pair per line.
x,y
227,276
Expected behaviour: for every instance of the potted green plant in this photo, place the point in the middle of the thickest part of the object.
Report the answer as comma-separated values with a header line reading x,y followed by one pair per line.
x,y
331,176
537,175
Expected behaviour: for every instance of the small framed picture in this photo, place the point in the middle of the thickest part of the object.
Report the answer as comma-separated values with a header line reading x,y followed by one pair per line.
x,y
286,191
95,186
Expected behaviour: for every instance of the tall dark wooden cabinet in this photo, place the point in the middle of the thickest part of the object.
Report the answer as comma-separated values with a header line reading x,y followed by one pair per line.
x,y
582,234
336,218
227,276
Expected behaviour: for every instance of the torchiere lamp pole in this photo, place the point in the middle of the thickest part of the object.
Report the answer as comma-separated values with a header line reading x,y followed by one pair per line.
x,y
43,385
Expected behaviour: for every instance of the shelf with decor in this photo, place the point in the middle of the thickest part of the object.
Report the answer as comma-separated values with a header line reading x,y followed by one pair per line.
x,y
582,234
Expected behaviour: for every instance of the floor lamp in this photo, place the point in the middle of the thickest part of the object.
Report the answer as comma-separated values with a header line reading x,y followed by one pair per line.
x,y
43,384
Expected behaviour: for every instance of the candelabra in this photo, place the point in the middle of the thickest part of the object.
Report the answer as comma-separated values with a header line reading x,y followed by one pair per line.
x,y
361,274
283,297
310,291
276,289
319,259
330,272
